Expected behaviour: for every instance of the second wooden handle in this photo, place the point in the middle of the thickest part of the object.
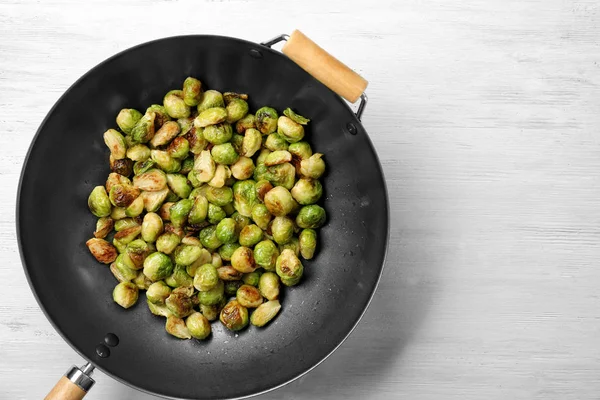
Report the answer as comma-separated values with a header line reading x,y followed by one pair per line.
x,y
323,66
65,390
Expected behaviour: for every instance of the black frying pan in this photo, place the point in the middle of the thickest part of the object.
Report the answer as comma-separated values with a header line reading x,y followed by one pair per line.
x,y
68,158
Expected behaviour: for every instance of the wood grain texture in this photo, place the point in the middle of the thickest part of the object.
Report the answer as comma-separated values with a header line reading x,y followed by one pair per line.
x,y
65,390
485,114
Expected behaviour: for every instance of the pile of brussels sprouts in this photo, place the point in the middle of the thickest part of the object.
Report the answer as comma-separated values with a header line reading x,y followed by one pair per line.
x,y
212,208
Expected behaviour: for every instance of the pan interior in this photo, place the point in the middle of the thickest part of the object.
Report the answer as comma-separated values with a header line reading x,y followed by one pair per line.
x,y
68,158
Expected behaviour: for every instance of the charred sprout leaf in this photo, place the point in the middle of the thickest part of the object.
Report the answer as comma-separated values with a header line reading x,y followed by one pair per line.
x,y
127,119
210,99
291,131
125,294
234,316
123,195
175,105
104,226
115,143
229,96
192,91
289,268
103,251
265,313
99,203
266,120
297,118
176,327
210,116
198,326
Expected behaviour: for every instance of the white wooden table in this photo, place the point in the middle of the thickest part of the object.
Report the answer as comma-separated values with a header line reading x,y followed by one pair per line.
x,y
486,116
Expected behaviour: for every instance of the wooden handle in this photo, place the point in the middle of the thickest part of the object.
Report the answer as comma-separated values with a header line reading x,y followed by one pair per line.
x,y
65,390
327,69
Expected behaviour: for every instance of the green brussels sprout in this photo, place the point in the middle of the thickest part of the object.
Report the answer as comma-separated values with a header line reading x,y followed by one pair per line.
x,y
282,229
226,230
121,247
192,91
224,154
164,161
136,252
215,214
159,310
240,221
185,124
218,134
179,148
121,270
265,313
237,141
236,109
262,187
139,167
152,180
222,173
187,165
252,278
198,326
266,120
312,216
278,157
153,200
127,235
260,172
289,268
234,316
268,285
196,141
250,235
176,327
123,195
210,116
169,227
244,197
245,123
127,118
193,179
307,191
261,216
143,130
251,142
293,244
243,168
179,212
226,251
175,105
281,175
161,114
116,179
206,277
209,238
179,304
228,273
279,201
219,196
205,258
210,99
186,254
135,208
231,287
290,130
265,254
216,260
211,313
164,212
141,281
125,294
179,277
249,296
212,296
297,118
313,167
157,266
204,166
242,260
300,150
104,226
125,223
123,166
165,134
99,203
276,142
308,243
102,251
179,185
262,156
199,210
115,143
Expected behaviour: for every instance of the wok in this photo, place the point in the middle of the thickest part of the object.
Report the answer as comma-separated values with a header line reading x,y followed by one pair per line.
x,y
67,158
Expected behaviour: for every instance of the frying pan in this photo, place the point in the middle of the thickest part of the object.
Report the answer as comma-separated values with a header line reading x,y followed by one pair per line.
x,y
68,158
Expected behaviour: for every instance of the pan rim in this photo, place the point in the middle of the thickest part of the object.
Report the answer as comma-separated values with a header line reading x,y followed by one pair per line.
x,y
20,240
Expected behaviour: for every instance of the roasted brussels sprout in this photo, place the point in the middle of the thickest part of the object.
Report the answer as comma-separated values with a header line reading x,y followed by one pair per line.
x,y
196,141
123,195
141,281
164,161
135,208
127,235
192,91
199,210
268,285
143,166
219,196
278,157
175,105
250,235
282,229
215,214
179,212
161,115
243,168
187,165
102,251
216,260
158,292
251,142
210,116
242,260
307,191
179,277
206,277
123,166
143,130
244,197
293,244
157,266
266,120
176,327
210,99
312,216
136,252
212,296
279,201
209,238
152,180
211,312
308,243
265,254
276,142
252,278
204,166
231,287
127,119
118,213
179,304
153,200
263,187
245,123
265,313
226,231
281,175
234,316
261,216
218,134
115,143
126,223
222,174
179,185
228,273
289,268
226,250
186,254
290,130
99,203
165,134
104,226
125,294
198,326
249,296
205,258
236,109
224,154
313,167
179,148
